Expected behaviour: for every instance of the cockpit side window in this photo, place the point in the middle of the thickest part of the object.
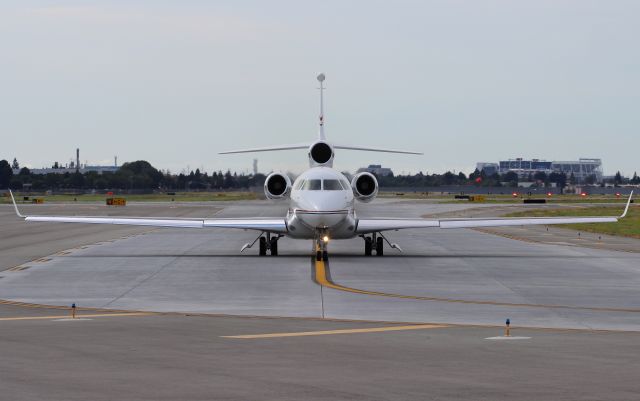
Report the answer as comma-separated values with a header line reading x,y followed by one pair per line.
x,y
312,185
332,185
300,185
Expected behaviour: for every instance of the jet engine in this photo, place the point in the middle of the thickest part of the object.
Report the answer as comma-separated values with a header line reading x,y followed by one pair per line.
x,y
321,154
364,186
277,186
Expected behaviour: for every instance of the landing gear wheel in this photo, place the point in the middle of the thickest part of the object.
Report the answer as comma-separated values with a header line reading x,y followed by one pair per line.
x,y
318,256
263,246
325,255
379,246
274,246
368,246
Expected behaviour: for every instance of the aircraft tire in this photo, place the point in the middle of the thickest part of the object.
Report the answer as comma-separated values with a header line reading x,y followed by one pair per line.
x,y
379,246
263,246
368,246
274,247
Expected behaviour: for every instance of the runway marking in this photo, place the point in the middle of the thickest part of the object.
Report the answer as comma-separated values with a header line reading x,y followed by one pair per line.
x,y
18,268
322,276
341,331
507,338
4,319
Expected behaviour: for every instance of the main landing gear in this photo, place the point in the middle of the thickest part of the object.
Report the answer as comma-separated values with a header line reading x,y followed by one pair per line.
x,y
266,243
376,241
269,243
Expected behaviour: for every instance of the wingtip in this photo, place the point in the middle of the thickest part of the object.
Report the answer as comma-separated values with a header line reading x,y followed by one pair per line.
x,y
626,209
15,205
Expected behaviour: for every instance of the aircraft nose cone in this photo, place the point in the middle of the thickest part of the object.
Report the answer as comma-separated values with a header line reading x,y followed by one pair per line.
x,y
321,212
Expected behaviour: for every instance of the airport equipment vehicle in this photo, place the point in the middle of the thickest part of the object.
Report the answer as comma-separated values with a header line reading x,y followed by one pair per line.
x,y
322,206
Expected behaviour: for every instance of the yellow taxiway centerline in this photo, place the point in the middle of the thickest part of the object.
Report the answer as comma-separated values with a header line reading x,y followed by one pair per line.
x,y
344,331
77,316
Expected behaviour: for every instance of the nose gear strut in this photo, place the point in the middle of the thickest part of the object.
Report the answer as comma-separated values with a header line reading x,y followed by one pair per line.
x,y
320,246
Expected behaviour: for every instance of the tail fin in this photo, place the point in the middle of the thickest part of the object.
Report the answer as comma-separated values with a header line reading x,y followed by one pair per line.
x,y
321,138
321,135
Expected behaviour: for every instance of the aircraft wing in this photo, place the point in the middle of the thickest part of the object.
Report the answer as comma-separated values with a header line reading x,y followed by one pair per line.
x,y
366,226
274,225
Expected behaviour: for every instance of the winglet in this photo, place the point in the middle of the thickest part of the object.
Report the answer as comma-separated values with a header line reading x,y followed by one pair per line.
x,y
15,205
626,209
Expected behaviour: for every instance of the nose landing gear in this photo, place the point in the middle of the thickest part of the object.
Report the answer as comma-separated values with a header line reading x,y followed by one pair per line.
x,y
321,247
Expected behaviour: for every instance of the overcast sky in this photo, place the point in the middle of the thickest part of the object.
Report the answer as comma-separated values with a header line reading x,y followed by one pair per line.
x,y
463,81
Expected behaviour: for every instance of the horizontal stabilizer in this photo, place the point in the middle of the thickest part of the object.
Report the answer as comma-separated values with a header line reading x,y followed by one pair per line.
x,y
307,145
367,149
268,148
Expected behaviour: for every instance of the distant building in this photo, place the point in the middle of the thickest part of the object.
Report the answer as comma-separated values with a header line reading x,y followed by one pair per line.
x,y
376,169
74,167
488,168
581,168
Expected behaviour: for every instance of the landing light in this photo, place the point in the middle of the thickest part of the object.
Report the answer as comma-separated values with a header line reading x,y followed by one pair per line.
x,y
325,238
583,194
549,194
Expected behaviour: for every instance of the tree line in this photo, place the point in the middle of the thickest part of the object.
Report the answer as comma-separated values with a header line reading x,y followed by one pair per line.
x,y
140,175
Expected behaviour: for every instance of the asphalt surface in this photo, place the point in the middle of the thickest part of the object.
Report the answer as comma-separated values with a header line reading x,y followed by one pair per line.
x,y
21,243
582,303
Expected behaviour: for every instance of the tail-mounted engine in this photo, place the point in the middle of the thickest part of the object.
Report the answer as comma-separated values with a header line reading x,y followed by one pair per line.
x,y
320,154
277,186
364,186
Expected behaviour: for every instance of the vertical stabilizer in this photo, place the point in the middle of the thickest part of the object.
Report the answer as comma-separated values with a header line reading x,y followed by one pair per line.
x,y
321,129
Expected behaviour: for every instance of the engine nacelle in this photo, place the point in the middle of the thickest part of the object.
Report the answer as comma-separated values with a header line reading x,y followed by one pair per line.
x,y
364,186
320,154
277,186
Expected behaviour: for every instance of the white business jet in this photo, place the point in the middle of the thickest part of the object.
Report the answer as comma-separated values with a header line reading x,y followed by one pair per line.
x,y
322,206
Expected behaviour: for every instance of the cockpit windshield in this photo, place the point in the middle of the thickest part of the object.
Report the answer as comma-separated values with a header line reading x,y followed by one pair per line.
x,y
325,185
312,185
332,185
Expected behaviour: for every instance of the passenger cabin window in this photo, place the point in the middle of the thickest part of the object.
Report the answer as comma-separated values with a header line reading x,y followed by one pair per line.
x,y
332,185
312,185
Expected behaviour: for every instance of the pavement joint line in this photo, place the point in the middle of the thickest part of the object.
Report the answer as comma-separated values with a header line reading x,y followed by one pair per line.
x,y
322,276
336,320
339,331
4,319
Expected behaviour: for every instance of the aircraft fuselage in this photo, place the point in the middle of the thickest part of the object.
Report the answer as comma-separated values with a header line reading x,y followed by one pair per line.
x,y
321,203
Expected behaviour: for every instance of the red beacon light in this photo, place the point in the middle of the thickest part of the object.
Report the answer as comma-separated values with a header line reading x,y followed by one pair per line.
x,y
583,194
515,194
549,194
618,194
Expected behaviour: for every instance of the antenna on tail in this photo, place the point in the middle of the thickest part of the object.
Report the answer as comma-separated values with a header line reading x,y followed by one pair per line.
x,y
321,131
